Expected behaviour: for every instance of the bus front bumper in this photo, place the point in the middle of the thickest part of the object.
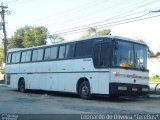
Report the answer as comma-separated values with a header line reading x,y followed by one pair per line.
x,y
123,89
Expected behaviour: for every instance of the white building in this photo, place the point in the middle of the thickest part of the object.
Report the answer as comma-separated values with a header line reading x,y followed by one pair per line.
x,y
154,65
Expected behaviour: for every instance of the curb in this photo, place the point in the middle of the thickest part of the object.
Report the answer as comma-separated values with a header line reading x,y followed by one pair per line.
x,y
154,96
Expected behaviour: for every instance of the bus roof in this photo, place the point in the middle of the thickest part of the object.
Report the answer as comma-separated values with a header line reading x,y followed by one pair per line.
x,y
103,36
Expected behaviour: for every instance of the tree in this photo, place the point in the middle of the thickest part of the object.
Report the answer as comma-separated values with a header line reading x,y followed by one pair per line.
x,y
151,53
157,54
28,37
89,33
55,38
141,39
104,32
92,32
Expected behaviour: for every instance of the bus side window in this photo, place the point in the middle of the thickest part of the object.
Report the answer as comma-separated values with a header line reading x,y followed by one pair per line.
x,y
61,52
16,57
84,48
54,51
105,54
9,57
47,54
37,55
40,54
69,51
96,54
101,54
26,56
50,53
34,55
23,58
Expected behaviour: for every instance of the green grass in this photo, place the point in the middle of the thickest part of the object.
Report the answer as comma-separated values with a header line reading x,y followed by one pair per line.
x,y
2,82
155,78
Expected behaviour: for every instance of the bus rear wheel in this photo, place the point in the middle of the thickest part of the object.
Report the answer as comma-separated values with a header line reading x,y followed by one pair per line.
x,y
84,90
21,86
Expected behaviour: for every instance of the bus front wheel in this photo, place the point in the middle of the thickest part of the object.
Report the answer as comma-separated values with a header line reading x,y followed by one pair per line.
x,y
21,86
84,90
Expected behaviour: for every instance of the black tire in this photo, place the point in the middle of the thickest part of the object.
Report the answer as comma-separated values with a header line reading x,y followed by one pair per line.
x,y
84,90
21,86
157,88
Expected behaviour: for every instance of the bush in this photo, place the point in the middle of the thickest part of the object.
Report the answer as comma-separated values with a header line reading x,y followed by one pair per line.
x,y
155,78
2,82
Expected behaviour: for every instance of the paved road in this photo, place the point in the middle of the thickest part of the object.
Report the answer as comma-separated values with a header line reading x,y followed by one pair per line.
x,y
12,101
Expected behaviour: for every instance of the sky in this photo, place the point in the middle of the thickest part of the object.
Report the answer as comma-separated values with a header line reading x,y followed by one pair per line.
x,y
62,16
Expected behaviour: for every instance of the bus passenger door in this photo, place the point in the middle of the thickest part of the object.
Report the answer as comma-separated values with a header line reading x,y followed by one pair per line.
x,y
102,61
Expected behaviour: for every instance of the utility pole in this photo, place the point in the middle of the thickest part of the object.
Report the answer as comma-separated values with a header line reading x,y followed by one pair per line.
x,y
2,12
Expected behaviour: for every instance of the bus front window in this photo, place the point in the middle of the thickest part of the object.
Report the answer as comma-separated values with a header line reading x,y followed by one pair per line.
x,y
141,56
124,54
130,55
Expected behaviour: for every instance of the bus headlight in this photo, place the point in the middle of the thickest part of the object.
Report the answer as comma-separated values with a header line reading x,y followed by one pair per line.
x,y
145,89
122,88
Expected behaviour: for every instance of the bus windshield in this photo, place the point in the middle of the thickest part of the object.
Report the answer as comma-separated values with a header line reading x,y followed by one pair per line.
x,y
130,55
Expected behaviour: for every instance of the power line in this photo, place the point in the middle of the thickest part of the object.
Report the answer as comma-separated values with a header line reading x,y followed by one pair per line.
x,y
80,15
94,24
154,11
112,18
16,2
81,9
12,1
100,22
116,4
117,16
133,21
123,14
111,24
72,11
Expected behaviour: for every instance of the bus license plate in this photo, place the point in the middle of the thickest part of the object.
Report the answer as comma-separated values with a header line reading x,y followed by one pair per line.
x,y
134,89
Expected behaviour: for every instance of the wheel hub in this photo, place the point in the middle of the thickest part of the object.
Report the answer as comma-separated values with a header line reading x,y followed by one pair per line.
x,y
85,90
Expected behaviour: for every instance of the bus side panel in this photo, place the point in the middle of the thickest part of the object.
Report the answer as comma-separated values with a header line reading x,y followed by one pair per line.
x,y
65,75
68,75
48,82
103,83
85,69
28,80
14,81
25,72
98,82
25,68
50,77
13,70
42,76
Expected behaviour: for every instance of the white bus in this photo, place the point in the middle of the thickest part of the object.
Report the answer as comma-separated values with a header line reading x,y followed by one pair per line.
x,y
105,65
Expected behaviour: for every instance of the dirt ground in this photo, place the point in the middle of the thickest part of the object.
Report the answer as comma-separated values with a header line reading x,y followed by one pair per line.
x,y
37,102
